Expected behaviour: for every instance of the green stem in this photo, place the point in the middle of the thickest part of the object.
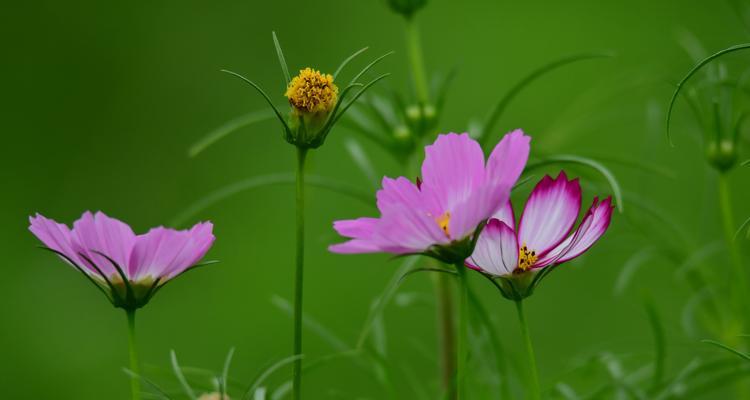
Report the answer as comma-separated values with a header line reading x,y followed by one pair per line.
x,y
725,204
446,327
535,391
414,51
298,280
462,350
135,380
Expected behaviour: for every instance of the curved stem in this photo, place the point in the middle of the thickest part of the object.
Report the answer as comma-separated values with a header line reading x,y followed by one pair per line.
x,y
298,279
462,350
135,382
535,391
414,51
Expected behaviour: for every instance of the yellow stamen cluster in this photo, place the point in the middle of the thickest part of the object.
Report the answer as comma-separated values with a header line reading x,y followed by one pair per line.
x,y
312,92
526,258
444,222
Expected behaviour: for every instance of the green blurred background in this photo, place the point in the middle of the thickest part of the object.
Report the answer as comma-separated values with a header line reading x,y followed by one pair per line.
x,y
101,101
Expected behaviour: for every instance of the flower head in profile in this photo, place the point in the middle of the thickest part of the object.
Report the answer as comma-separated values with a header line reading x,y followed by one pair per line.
x,y
314,99
440,214
128,268
520,257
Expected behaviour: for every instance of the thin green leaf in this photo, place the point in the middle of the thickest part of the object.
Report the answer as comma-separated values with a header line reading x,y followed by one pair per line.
x,y
268,372
149,383
312,324
745,163
380,302
360,158
356,96
369,66
631,266
282,61
599,167
229,127
742,227
501,105
660,342
347,61
225,373
180,376
692,72
262,93
268,180
727,348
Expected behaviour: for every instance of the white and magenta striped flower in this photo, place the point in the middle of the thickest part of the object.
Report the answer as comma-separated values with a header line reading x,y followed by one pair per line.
x,y
128,268
544,237
439,215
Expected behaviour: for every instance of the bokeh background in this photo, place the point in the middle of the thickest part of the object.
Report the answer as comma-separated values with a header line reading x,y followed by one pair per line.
x,y
101,101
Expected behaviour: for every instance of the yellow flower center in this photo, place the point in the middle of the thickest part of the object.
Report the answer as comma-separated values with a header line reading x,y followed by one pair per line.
x,y
526,258
312,92
213,396
444,222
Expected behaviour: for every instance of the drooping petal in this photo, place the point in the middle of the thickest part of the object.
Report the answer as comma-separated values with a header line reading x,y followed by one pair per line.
x,y
164,253
550,213
57,237
452,169
505,214
508,158
98,233
496,251
594,224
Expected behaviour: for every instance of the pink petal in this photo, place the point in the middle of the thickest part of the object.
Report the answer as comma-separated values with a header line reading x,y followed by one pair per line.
x,y
398,192
94,233
57,237
165,253
550,213
505,214
453,167
407,230
496,251
508,159
594,224
478,207
361,231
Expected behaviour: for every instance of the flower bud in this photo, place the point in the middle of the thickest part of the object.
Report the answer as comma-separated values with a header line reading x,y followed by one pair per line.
x,y
312,97
407,8
721,154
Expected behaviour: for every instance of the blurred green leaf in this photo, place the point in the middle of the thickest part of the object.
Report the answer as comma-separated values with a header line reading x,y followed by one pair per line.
x,y
180,376
161,393
229,127
262,376
501,105
268,180
360,158
692,72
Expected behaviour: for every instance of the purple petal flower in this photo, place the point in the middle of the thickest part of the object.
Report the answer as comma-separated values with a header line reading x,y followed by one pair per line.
x,y
130,268
456,194
543,237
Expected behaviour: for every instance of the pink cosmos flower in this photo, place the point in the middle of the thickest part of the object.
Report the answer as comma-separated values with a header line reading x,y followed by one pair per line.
x,y
439,215
128,268
543,238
